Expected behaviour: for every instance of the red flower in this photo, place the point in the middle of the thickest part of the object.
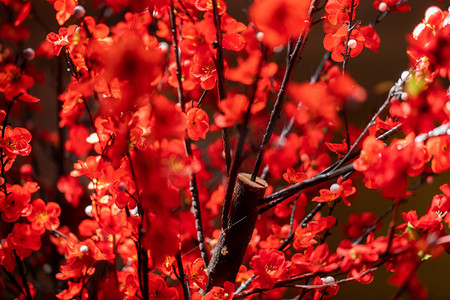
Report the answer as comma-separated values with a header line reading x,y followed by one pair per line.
x,y
372,40
439,148
327,292
62,38
293,177
232,109
72,291
204,71
188,83
369,154
337,42
218,293
193,39
197,123
161,237
280,20
136,64
71,188
354,256
90,167
338,11
245,71
207,5
17,202
14,33
270,266
77,141
316,260
196,273
344,88
112,221
16,142
304,236
339,149
24,236
230,29
44,216
158,289
339,189
166,267
391,5
14,84
429,42
64,8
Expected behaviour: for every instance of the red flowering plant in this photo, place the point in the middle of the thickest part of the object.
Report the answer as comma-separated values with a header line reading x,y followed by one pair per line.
x,y
168,173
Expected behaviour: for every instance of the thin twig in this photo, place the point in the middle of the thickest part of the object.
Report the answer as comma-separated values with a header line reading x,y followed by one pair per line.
x,y
221,82
193,187
14,281
23,276
372,227
274,116
182,277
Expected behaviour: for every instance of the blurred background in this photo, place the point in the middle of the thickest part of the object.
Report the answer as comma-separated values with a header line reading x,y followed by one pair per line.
x,y
376,72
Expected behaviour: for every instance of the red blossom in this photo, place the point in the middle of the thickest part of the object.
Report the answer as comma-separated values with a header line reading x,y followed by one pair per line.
x,y
204,71
25,237
207,5
16,203
315,260
439,149
44,216
270,266
64,8
293,177
62,38
14,83
305,236
71,188
338,11
280,20
197,123
339,189
16,142
337,43
219,293
391,5
196,273
77,141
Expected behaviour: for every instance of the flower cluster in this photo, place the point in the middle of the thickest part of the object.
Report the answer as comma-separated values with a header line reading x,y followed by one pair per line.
x,y
164,106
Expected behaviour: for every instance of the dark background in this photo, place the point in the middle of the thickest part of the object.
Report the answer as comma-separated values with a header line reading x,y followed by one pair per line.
x,y
369,69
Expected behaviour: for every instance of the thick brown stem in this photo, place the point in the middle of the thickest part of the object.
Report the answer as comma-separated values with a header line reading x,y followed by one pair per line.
x,y
233,241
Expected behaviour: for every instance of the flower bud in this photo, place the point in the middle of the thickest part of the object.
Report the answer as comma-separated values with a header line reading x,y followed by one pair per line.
x,y
352,44
88,210
382,7
260,36
123,186
335,188
328,279
28,53
79,12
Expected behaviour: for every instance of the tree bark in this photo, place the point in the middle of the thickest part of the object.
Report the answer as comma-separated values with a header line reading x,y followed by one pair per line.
x,y
233,241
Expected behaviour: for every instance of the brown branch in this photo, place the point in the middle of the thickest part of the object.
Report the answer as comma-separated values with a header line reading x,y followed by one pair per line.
x,y
182,277
233,241
239,148
221,82
193,187
278,106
